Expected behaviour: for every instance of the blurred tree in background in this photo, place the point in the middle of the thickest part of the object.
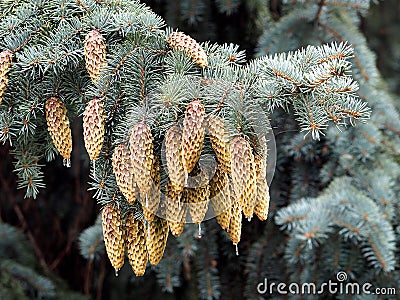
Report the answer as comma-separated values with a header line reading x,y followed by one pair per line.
x,y
334,202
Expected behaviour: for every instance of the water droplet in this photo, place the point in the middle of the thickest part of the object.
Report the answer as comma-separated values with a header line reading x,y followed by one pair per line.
x,y
249,219
199,236
236,249
67,162
116,273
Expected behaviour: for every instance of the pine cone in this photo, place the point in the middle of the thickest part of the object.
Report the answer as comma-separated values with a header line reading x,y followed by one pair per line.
x,y
192,135
122,167
113,236
243,175
218,182
197,196
150,205
176,209
156,239
224,219
95,53
235,225
176,170
183,42
262,206
219,142
220,198
93,128
136,245
59,128
176,227
174,202
142,157
5,65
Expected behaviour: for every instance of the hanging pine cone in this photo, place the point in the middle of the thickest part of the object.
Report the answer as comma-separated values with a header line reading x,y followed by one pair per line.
x,y
197,196
156,239
176,227
235,225
192,134
220,198
183,42
150,205
95,53
219,142
218,182
113,234
59,128
93,128
224,219
243,175
5,65
262,206
135,242
122,167
176,170
142,157
176,209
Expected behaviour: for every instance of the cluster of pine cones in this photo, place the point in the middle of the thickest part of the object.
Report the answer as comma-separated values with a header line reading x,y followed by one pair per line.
x,y
59,128
143,241
238,184
93,116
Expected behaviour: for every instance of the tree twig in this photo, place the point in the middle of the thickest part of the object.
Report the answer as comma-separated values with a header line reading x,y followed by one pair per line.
x,y
31,238
100,282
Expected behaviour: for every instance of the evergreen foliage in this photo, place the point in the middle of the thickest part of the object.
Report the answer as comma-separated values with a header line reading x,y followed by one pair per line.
x,y
20,274
334,198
